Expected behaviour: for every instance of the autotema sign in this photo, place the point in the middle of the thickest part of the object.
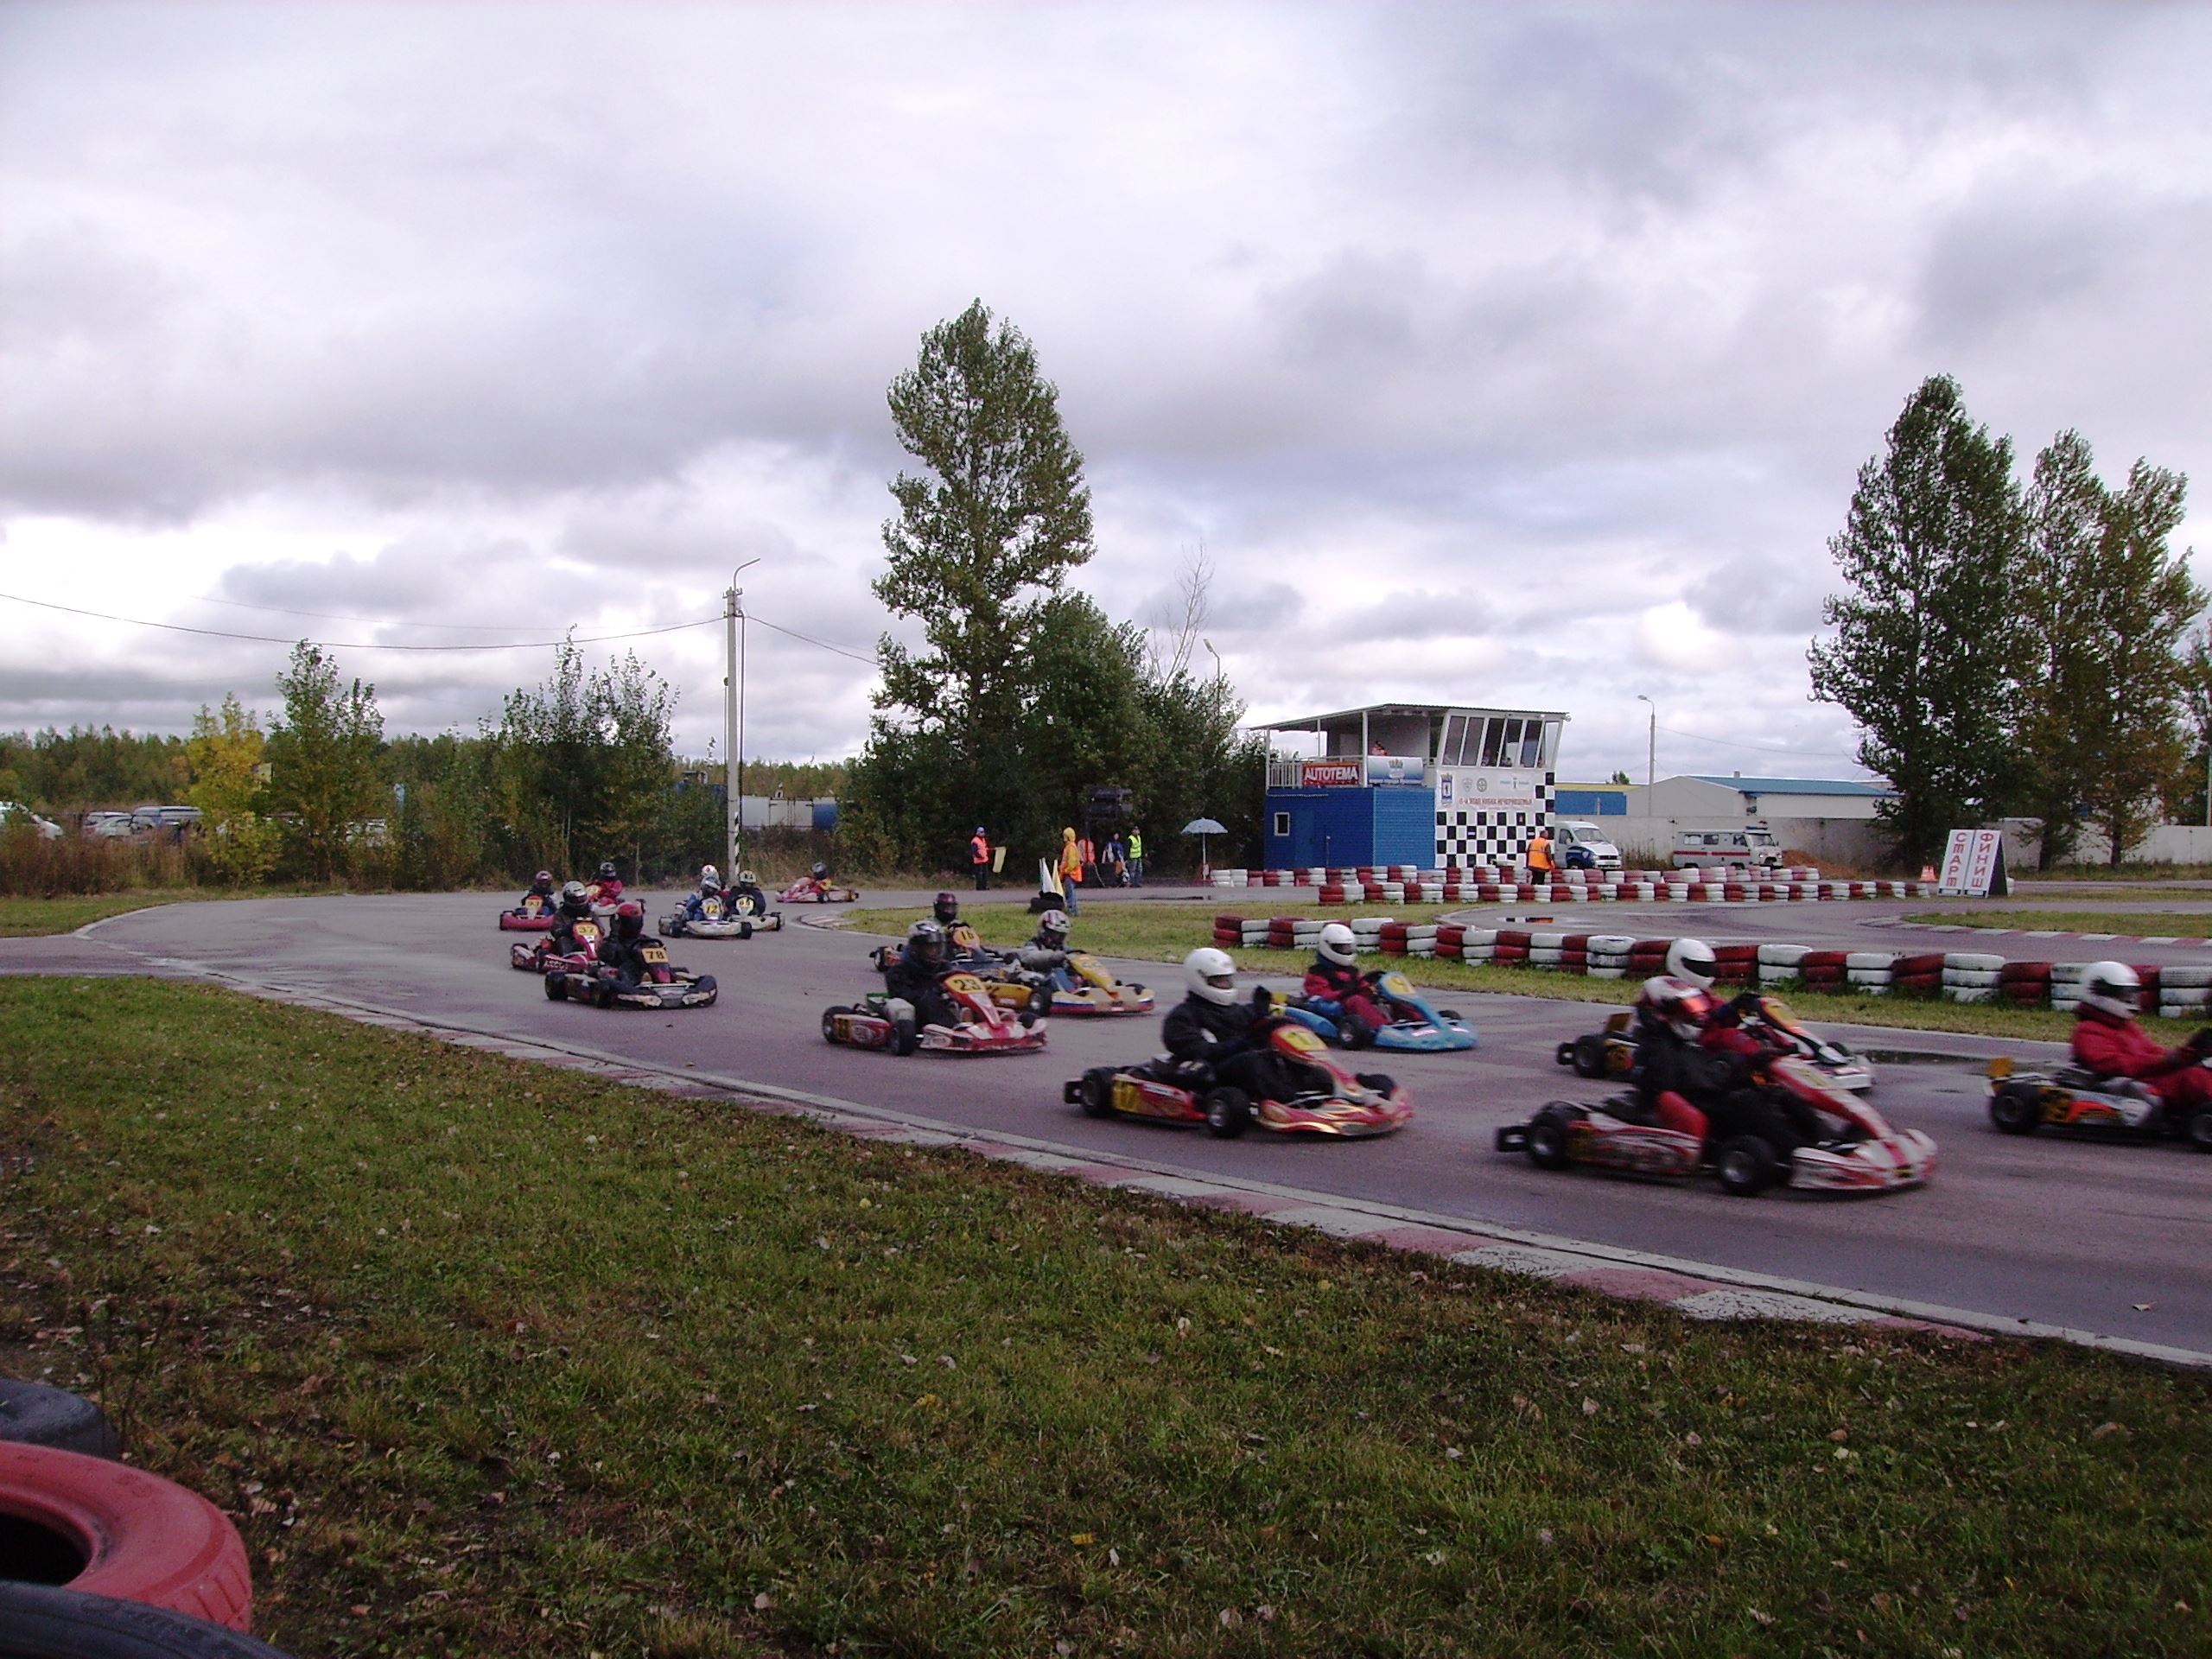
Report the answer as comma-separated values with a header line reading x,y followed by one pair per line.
x,y
1332,774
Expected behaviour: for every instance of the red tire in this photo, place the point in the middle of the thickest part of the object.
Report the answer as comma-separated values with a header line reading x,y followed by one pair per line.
x,y
135,1536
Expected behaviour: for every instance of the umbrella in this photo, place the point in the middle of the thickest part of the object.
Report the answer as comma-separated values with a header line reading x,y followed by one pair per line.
x,y
1202,828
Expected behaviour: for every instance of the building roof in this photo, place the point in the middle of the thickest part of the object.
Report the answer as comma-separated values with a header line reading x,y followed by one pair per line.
x,y
1308,722
1798,786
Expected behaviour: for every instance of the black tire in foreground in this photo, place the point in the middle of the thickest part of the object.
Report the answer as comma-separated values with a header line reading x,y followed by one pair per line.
x,y
1228,1113
1096,1093
40,1622
34,1415
1547,1142
2016,1110
1747,1166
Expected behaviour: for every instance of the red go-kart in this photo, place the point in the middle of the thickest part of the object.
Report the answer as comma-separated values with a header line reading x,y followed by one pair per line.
x,y
658,985
542,957
1328,1100
605,895
984,1028
533,915
1863,1153
808,890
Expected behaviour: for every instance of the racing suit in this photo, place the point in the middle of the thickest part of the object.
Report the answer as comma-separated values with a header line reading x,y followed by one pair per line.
x,y
920,986
695,908
563,940
1339,991
1705,1087
625,959
1219,1035
736,896
2113,1047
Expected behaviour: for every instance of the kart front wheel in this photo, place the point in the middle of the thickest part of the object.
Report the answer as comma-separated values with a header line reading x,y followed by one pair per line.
x,y
1746,1166
1589,1060
1096,1093
2016,1111
602,995
829,1023
557,989
905,1040
1229,1114
1546,1142
2198,1130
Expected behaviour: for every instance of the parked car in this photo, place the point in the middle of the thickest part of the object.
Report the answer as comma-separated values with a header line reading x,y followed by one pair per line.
x,y
12,814
1710,850
112,826
1599,854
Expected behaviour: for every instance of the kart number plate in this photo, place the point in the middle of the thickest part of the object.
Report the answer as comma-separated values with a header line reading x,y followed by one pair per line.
x,y
967,983
712,909
1397,985
586,930
1300,1040
654,953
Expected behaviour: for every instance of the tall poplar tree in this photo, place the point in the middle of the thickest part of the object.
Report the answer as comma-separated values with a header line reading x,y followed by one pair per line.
x,y
1926,653
984,537
2066,509
322,759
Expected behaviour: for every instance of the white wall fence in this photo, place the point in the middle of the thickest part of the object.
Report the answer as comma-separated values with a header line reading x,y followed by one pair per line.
x,y
2170,843
1648,842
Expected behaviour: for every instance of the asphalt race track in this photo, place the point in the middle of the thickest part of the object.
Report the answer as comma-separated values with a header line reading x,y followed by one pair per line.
x,y
2061,1232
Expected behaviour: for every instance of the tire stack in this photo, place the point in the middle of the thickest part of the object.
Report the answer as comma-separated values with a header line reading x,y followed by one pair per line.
x,y
1477,944
1333,893
1392,939
2024,984
1574,953
2154,990
1971,975
1255,933
1386,892
1510,946
1608,954
1367,932
2184,993
1738,964
1227,931
1448,937
1421,939
1306,935
2066,985
1918,975
1647,957
1870,971
1823,970
1282,933
1545,949
1780,964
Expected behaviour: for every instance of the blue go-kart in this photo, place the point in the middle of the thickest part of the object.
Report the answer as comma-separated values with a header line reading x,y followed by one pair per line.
x,y
1414,1024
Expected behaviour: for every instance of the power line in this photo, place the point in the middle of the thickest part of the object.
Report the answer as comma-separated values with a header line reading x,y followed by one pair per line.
x,y
823,644
1761,748
342,644
372,621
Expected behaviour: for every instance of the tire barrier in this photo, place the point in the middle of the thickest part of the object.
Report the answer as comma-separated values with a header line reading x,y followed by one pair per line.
x,y
105,1529
39,1622
2175,992
31,1413
1376,884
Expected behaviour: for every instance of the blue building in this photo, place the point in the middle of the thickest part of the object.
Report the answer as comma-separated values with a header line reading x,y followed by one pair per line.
x,y
1430,784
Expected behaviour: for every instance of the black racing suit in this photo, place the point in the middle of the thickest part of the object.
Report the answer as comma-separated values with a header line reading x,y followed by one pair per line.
x,y
563,940
922,984
736,896
1717,1084
625,958
1219,1035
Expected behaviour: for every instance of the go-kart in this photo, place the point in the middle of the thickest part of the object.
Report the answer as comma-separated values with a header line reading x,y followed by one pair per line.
x,y
659,986
542,957
2020,1102
754,910
1329,1100
533,915
1864,1153
1611,1052
985,1027
1414,1024
715,920
807,891
1085,987
605,896
1008,983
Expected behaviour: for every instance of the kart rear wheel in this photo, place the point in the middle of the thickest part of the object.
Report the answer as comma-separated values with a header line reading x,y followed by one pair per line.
x,y
1589,1059
557,989
829,1022
2197,1131
1451,1013
1096,1092
905,1040
1380,1082
1228,1113
1546,1142
2016,1110
1746,1166
603,994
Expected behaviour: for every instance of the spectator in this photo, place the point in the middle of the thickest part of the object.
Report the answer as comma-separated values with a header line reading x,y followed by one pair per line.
x,y
1087,855
1136,856
1542,866
979,859
1070,869
1116,869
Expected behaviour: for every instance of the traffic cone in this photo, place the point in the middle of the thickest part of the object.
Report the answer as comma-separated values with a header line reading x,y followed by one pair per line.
x,y
1928,872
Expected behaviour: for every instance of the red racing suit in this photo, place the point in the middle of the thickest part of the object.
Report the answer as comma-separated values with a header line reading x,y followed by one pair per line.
x,y
1343,984
2121,1048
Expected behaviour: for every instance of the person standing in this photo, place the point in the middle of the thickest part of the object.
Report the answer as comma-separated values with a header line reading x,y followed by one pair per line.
x,y
1542,865
1087,856
979,858
1136,856
1070,869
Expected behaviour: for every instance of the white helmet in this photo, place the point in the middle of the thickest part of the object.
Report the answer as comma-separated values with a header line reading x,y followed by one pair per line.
x,y
1053,923
710,876
2112,987
1692,959
1211,974
745,878
1337,945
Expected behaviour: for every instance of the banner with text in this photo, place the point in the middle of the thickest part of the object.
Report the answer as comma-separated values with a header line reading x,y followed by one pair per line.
x,y
1974,860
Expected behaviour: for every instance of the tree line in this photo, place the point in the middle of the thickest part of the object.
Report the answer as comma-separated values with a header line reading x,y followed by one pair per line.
x,y
2017,647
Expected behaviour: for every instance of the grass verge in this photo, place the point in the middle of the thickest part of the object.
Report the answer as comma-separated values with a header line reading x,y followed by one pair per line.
x,y
1167,933
22,917
2188,926
491,1358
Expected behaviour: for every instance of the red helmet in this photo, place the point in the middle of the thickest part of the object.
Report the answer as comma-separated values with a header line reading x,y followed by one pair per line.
x,y
629,919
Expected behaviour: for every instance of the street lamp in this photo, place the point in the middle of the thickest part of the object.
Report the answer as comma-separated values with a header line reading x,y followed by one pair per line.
x,y
734,715
1216,655
1650,753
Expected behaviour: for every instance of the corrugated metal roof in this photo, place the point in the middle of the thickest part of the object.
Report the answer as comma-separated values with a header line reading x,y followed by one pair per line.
x,y
1797,786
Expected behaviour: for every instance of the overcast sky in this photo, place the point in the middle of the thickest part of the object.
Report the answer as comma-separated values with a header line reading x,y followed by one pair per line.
x,y
1506,354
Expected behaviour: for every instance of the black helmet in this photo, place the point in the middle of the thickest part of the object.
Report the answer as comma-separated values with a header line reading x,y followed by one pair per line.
x,y
630,920
574,899
541,882
947,908
607,872
820,871
926,941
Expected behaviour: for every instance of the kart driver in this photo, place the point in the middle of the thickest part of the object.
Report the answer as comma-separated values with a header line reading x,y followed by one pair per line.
x,y
608,882
1048,950
574,906
2109,1041
748,886
818,876
1336,990
962,943
1694,1068
623,955
710,886
1211,1026
541,888
915,980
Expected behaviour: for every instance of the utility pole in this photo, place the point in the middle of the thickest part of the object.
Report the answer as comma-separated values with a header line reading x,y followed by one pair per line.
x,y
733,719
1650,755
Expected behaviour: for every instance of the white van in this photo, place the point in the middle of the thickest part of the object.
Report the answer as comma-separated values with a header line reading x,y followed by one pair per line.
x,y
1711,850
1580,832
